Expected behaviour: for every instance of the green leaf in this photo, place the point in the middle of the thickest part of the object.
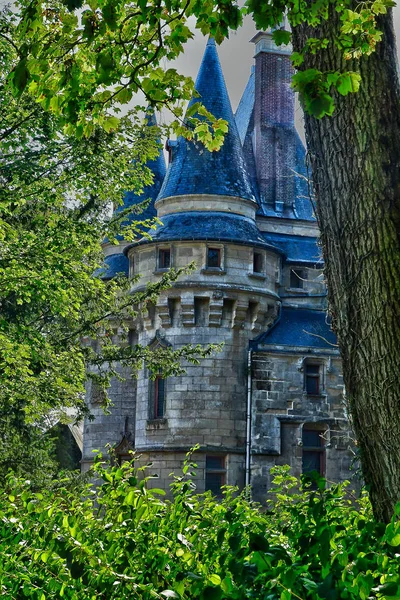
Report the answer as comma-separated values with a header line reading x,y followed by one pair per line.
x,y
76,570
20,76
211,593
234,542
321,106
348,82
258,542
395,540
388,589
297,58
280,36
111,124
215,579
73,4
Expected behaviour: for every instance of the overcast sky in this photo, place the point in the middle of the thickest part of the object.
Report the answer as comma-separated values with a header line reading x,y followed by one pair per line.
x,y
236,55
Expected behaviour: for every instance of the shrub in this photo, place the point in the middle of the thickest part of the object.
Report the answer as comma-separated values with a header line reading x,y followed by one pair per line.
x,y
126,541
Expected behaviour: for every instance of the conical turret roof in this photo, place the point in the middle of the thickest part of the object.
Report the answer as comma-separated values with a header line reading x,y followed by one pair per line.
x,y
158,168
118,262
195,170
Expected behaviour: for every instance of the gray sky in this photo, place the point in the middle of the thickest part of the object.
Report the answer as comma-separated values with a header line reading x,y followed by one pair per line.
x,y
236,55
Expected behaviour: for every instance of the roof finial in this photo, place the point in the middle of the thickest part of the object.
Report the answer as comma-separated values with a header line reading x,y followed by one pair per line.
x,y
211,41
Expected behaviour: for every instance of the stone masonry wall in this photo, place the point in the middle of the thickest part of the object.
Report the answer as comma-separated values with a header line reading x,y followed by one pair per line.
x,y
164,464
281,407
109,428
207,404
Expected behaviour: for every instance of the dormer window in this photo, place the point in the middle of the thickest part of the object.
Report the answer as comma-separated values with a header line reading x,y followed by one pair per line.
x,y
213,258
258,263
164,258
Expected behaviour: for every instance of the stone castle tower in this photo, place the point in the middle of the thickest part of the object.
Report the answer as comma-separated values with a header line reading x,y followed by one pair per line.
x,y
274,394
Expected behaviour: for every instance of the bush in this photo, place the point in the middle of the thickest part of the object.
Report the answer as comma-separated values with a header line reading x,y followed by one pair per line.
x,y
127,541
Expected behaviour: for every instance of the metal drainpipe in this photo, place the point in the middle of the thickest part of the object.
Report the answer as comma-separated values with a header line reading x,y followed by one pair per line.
x,y
248,418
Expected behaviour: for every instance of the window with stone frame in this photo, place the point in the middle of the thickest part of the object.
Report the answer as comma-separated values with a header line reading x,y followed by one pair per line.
x,y
214,256
258,262
157,387
164,258
313,445
297,278
313,378
215,473
157,400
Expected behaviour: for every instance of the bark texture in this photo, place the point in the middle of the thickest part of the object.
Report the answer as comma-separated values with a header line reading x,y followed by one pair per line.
x,y
355,159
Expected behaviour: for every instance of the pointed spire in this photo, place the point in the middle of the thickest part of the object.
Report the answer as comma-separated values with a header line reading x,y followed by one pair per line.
x,y
157,167
193,169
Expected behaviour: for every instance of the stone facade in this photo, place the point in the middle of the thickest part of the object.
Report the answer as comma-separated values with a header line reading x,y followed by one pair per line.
x,y
273,395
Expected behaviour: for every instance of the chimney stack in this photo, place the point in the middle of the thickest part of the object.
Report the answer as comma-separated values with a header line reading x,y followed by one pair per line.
x,y
274,141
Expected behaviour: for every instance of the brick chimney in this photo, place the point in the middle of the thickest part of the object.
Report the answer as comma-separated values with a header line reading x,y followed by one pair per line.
x,y
274,140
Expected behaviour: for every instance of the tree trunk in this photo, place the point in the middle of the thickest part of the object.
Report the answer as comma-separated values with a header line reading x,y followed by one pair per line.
x,y
355,158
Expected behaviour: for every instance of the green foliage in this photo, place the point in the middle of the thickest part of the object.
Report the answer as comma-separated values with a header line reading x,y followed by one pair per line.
x,y
128,541
316,89
59,322
83,64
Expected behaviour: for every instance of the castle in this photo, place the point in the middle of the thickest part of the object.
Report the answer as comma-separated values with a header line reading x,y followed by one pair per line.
x,y
274,394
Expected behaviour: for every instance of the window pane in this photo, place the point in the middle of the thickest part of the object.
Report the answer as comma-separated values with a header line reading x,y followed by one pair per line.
x,y
215,462
159,399
213,257
257,262
312,384
312,438
312,461
214,481
164,259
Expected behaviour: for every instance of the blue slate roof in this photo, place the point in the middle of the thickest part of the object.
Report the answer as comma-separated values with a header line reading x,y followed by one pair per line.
x,y
114,264
297,249
302,327
215,226
157,166
246,105
195,170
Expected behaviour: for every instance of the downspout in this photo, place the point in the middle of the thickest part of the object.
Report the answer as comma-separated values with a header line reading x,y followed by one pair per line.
x,y
248,418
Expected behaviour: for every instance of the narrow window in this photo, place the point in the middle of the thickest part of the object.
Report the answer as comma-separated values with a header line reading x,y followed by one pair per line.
x,y
159,397
313,451
132,266
257,262
164,258
213,258
312,379
297,277
215,474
